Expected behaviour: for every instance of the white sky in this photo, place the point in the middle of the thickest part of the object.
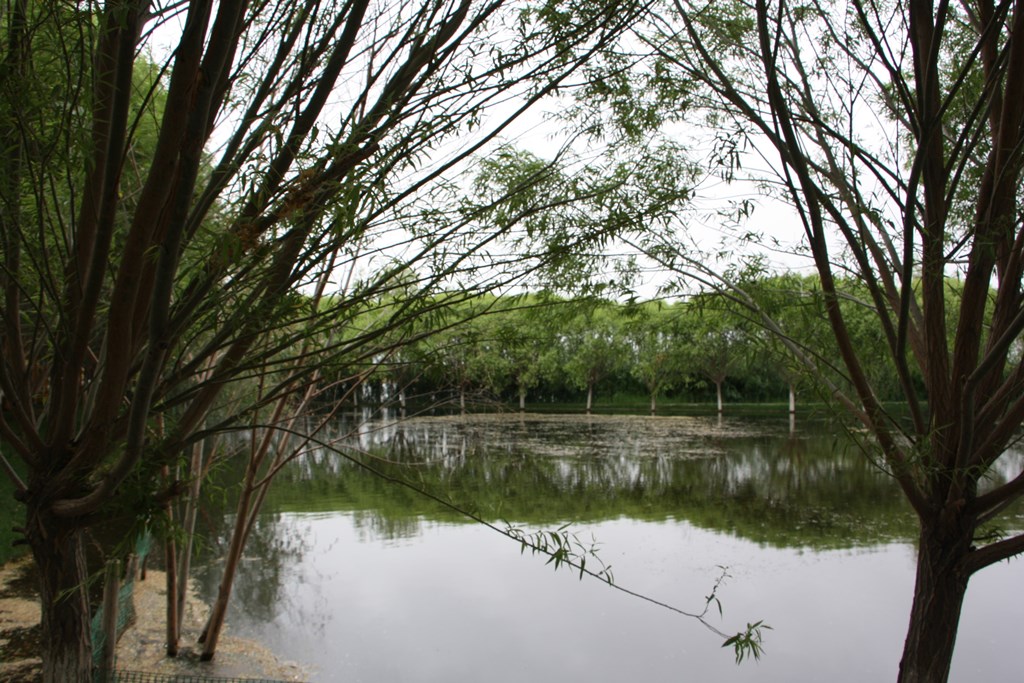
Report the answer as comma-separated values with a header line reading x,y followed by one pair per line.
x,y
543,135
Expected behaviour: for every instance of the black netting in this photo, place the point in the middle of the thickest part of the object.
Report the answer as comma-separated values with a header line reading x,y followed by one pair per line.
x,y
125,602
147,677
125,616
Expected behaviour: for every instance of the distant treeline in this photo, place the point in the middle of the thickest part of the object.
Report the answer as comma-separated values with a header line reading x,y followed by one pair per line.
x,y
542,348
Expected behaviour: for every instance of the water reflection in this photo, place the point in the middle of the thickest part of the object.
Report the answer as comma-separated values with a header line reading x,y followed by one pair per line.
x,y
744,477
371,581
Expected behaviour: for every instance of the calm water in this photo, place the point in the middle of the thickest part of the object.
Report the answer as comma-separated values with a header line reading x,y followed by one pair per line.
x,y
363,580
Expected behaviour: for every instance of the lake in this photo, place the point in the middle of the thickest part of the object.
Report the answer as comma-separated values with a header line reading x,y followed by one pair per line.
x,y
363,579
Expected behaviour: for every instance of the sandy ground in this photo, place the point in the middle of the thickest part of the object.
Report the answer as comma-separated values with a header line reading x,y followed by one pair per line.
x,y
142,647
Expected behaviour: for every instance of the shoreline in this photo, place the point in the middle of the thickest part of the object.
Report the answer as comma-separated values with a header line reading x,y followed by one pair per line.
x,y
142,647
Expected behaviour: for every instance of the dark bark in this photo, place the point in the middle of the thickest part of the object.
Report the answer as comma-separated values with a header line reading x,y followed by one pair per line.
x,y
58,550
971,380
189,526
96,299
938,597
171,563
111,589
211,632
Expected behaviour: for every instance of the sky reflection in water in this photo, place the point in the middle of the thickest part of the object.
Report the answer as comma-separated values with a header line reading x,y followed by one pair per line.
x,y
384,596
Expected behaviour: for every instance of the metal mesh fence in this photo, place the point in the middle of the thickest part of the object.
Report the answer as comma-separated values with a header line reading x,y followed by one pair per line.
x,y
119,676
125,602
125,616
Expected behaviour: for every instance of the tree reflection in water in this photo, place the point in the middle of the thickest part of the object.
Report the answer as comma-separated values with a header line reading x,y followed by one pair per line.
x,y
746,477
343,551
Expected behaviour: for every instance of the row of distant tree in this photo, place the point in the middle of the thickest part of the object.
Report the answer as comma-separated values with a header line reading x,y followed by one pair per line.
x,y
543,348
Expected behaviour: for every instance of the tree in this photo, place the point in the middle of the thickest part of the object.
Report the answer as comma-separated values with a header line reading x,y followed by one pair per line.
x,y
295,139
594,348
458,357
794,304
530,346
659,346
516,347
894,131
718,345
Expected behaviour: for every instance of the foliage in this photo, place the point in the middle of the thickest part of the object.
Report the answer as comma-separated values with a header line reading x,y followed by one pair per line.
x,y
892,133
747,643
501,349
574,210
562,548
659,345
188,238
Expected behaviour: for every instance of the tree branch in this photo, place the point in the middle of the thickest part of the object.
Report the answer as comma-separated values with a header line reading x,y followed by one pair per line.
x,y
992,553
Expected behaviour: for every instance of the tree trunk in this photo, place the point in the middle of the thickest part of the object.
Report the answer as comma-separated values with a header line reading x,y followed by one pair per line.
x,y
111,589
938,597
172,625
590,397
211,633
189,528
792,400
171,567
522,398
654,403
718,393
60,563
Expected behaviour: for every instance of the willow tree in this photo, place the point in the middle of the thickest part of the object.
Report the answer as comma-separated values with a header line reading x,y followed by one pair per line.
x,y
893,130
145,281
